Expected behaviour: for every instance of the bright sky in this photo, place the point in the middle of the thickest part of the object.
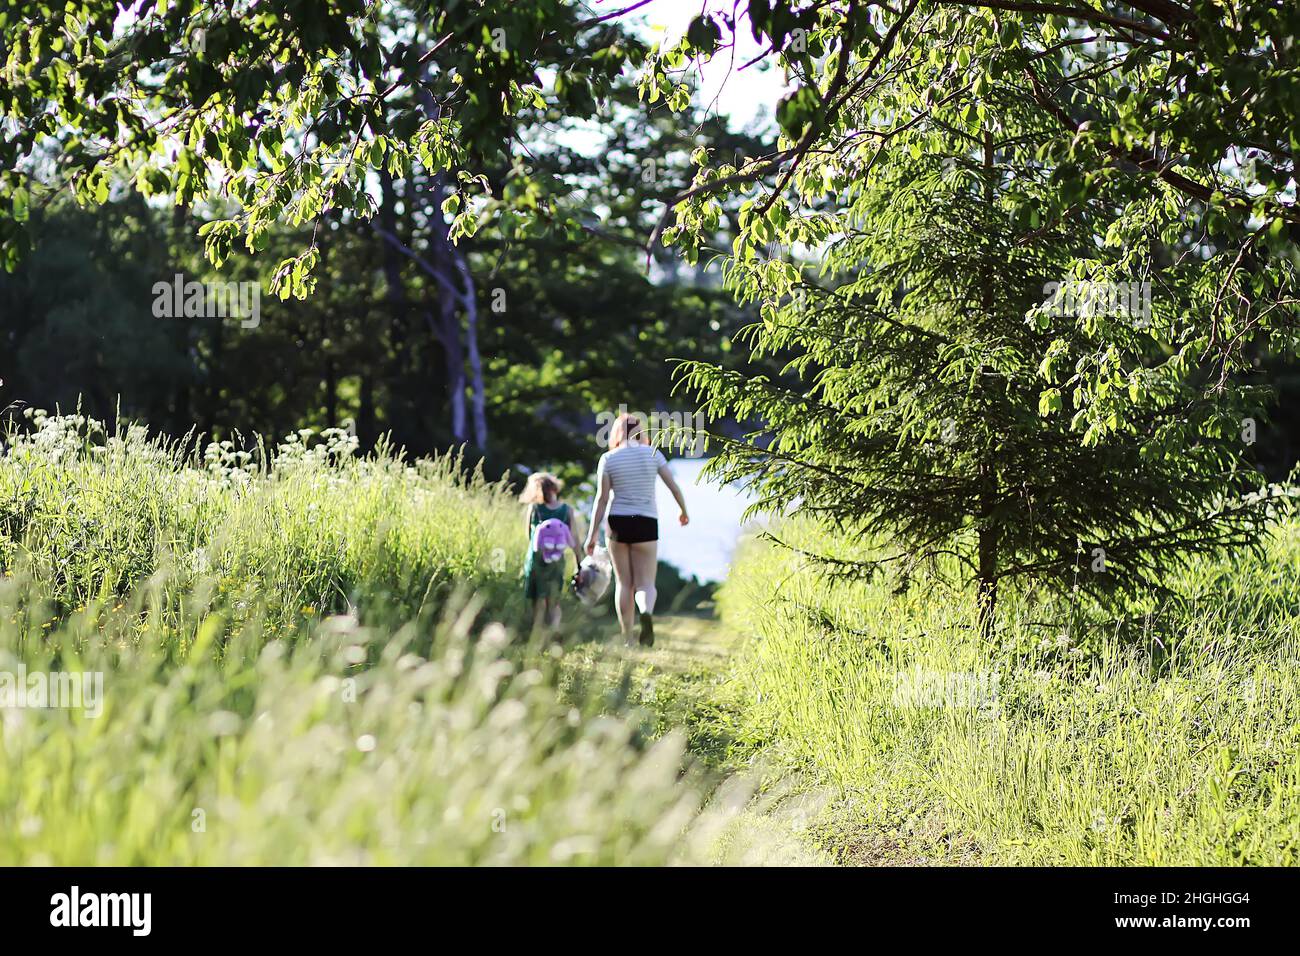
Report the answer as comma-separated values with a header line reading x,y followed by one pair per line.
x,y
746,96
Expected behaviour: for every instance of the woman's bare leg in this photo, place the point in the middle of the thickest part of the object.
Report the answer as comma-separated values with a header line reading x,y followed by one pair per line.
x,y
623,585
645,565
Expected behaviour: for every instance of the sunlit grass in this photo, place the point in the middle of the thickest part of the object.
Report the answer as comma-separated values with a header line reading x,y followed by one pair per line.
x,y
1175,745
305,527
340,745
307,658
311,657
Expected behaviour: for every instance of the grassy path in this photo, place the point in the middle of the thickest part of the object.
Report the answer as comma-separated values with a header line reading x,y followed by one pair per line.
x,y
680,685
687,670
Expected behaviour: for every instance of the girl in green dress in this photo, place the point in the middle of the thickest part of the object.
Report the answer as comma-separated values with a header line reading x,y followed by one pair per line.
x,y
544,581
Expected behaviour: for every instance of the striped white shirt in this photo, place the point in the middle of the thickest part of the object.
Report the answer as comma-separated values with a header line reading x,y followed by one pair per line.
x,y
632,470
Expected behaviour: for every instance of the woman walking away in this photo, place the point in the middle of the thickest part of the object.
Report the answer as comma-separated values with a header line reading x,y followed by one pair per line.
x,y
626,477
550,529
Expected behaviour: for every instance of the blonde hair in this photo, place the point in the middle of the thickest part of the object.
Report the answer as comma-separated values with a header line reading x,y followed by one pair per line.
x,y
540,486
625,428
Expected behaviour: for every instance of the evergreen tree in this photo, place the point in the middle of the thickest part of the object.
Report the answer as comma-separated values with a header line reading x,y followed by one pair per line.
x,y
920,408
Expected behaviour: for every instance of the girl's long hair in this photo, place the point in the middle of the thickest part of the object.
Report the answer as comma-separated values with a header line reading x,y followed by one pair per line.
x,y
540,486
626,428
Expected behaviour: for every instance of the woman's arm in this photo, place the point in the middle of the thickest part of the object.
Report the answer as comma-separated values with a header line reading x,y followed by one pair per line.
x,y
528,525
598,513
666,474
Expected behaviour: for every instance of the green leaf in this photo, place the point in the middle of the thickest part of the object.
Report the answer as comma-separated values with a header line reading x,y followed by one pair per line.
x,y
704,34
796,111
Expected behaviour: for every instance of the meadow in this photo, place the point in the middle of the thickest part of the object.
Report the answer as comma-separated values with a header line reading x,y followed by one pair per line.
x,y
1168,738
307,657
314,657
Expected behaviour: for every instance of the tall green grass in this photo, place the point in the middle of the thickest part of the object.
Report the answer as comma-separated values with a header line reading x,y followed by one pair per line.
x,y
303,527
303,662
344,745
1174,739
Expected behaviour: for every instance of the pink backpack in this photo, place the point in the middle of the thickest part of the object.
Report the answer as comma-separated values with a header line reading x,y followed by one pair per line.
x,y
551,538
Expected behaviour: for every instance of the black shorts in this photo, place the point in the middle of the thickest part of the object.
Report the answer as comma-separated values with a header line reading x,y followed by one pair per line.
x,y
633,529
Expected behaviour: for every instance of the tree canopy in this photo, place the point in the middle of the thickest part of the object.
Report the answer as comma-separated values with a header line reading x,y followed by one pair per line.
x,y
1148,143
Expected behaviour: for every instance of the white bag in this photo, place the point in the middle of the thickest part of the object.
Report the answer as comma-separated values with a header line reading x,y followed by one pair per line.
x,y
592,579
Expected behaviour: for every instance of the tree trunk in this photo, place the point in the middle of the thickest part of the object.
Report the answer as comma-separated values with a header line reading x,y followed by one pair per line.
x,y
451,264
479,404
448,326
447,265
987,579
392,249
440,267
987,547
458,288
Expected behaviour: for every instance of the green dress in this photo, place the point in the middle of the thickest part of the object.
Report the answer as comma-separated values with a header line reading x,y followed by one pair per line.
x,y
543,580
